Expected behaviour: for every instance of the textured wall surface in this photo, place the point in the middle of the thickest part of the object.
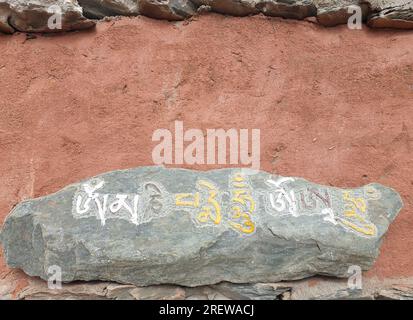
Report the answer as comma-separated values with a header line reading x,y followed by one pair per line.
x,y
334,106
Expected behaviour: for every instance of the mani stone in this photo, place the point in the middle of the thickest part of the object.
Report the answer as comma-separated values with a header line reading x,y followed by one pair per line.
x,y
152,225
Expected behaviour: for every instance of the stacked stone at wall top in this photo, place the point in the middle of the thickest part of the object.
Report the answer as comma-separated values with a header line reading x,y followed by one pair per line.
x,y
63,15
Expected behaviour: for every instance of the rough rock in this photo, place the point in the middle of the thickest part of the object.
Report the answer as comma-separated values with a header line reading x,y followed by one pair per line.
x,y
158,293
290,9
256,291
231,7
314,289
378,13
5,27
152,225
33,15
396,292
103,8
391,14
167,9
39,290
332,13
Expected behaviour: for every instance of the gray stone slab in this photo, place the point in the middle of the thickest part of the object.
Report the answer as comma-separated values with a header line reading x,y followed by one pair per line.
x,y
152,225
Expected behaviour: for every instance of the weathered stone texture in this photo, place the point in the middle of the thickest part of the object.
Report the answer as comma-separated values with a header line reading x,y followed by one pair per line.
x,y
33,15
316,288
152,225
290,9
102,8
167,9
391,14
232,7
